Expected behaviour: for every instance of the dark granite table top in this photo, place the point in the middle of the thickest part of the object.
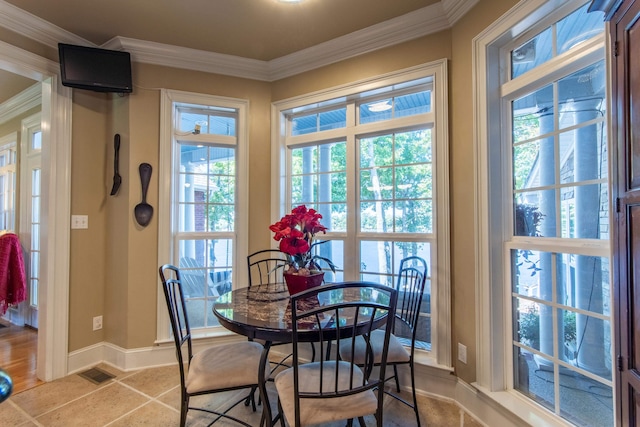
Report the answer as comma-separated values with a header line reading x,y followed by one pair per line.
x,y
264,311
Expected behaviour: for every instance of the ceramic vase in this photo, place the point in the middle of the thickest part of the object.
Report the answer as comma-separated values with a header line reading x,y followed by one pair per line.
x,y
297,283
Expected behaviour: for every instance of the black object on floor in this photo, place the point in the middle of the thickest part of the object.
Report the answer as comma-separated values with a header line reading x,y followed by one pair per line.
x,y
96,375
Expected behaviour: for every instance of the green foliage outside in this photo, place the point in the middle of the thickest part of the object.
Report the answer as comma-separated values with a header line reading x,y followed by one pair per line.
x,y
526,128
529,327
221,209
392,167
395,184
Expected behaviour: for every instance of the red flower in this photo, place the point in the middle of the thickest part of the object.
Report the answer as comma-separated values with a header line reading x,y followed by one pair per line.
x,y
281,229
296,232
294,245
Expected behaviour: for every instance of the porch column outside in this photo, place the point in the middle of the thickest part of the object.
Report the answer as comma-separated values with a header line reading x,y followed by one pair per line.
x,y
589,330
548,226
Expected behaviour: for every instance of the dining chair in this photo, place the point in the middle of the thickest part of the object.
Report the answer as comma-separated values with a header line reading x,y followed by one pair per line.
x,y
216,369
266,267
330,389
411,280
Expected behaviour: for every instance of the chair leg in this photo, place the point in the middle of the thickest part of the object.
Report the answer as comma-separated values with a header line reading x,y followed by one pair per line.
x,y
263,420
251,399
362,422
328,353
413,389
282,424
395,372
183,410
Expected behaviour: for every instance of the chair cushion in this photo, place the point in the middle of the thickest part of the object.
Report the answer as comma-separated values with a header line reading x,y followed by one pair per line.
x,y
397,353
322,410
229,365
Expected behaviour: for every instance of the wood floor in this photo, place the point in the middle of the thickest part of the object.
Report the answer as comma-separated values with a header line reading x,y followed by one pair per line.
x,y
18,351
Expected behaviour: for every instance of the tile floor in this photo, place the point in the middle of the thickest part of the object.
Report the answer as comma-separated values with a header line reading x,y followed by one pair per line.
x,y
150,397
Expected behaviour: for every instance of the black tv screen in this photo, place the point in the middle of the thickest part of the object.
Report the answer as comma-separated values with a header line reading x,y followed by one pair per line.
x,y
91,68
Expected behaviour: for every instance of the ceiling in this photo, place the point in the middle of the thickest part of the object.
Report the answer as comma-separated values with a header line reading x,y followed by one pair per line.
x,y
280,38
255,29
12,84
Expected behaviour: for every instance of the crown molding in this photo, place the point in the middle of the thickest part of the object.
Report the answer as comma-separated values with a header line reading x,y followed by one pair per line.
x,y
19,21
21,103
422,22
190,59
428,20
456,9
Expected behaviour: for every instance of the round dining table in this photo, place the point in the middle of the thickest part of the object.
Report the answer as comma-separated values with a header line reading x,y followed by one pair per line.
x,y
263,312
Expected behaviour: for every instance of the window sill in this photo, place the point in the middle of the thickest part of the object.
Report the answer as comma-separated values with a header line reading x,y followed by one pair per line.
x,y
214,335
424,358
528,411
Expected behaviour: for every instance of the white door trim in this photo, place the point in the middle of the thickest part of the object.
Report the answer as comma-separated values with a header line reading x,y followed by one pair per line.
x,y
53,295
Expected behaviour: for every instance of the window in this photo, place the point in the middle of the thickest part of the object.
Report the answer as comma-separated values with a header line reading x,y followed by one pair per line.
x,y
203,156
8,156
551,249
30,201
372,159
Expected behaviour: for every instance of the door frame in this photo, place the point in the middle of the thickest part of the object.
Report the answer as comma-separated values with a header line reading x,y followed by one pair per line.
x,y
53,295
30,160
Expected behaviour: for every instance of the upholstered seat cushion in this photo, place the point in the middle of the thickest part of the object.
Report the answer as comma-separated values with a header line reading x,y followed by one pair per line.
x,y
397,352
224,366
323,410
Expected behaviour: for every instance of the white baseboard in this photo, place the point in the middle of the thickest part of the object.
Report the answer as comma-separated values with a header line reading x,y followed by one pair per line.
x,y
161,354
430,381
443,384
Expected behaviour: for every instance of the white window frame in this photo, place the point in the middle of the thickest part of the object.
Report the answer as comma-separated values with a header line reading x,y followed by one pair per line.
x,y
440,354
166,199
9,143
30,160
494,374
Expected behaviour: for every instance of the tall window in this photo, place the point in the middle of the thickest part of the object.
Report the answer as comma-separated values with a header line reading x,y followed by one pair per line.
x,y
555,249
30,201
369,161
204,155
8,156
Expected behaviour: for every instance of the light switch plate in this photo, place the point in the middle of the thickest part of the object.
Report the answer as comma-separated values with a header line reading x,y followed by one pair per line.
x,y
79,221
462,353
97,323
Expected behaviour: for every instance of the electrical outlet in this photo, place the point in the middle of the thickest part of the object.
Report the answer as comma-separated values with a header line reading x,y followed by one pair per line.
x,y
462,353
97,323
79,221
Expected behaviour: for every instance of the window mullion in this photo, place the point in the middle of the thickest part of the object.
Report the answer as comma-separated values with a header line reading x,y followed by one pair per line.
x,y
351,244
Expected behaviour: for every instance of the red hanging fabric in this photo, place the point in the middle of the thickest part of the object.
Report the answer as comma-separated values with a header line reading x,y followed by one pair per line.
x,y
13,280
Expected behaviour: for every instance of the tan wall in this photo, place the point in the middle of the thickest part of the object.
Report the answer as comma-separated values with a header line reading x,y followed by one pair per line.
x,y
118,282
415,52
130,270
28,44
462,179
15,124
87,259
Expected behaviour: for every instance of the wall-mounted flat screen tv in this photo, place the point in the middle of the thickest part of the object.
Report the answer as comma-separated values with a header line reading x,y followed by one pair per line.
x,y
91,68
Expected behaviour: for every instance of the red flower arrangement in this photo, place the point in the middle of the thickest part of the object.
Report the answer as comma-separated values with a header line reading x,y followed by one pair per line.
x,y
296,232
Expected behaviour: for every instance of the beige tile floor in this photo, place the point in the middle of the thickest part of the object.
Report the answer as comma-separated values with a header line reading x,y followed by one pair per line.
x,y
151,397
